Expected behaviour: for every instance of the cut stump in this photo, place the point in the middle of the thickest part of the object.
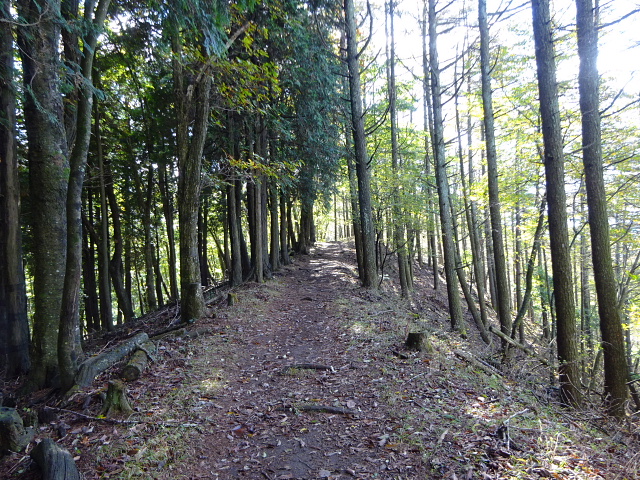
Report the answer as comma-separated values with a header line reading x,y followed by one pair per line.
x,y
416,341
116,402
13,436
55,462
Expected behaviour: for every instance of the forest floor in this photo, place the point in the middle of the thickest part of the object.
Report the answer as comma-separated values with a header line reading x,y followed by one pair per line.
x,y
307,377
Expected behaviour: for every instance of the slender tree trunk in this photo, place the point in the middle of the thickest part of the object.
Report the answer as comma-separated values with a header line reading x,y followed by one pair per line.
x,y
556,198
399,242
104,282
615,366
499,257
148,246
274,257
14,341
284,229
235,274
432,226
369,279
442,182
167,208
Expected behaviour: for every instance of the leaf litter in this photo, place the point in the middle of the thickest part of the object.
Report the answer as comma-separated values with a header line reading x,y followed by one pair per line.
x,y
248,400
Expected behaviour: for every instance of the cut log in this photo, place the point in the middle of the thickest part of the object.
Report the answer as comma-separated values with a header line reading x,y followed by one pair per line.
x,y
138,361
93,366
14,437
524,348
55,462
116,402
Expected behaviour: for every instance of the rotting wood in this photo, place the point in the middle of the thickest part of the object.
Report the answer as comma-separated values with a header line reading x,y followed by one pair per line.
x,y
306,366
138,361
488,369
524,348
93,366
55,462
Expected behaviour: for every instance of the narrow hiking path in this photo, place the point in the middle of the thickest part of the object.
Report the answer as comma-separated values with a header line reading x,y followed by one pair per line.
x,y
305,377
290,350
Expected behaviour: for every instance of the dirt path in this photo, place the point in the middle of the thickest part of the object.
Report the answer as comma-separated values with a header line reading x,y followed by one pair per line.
x,y
260,425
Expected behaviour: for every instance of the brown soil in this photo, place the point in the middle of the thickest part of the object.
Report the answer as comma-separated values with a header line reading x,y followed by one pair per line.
x,y
306,377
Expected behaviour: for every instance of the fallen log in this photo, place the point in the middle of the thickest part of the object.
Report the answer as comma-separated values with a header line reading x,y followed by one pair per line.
x,y
467,357
524,348
92,367
55,462
138,361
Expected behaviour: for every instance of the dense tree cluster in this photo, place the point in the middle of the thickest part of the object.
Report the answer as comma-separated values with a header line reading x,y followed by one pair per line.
x,y
151,151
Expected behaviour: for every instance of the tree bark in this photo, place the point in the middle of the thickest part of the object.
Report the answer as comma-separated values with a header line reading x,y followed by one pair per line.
x,y
615,366
14,342
556,198
499,257
362,165
39,38
55,462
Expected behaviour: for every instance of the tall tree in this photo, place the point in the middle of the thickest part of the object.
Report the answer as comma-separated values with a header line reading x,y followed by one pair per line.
x,y
69,334
14,343
369,270
442,181
48,161
556,201
615,365
398,222
499,257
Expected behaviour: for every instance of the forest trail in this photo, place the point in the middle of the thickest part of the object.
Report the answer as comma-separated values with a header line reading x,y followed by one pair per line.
x,y
306,377
291,353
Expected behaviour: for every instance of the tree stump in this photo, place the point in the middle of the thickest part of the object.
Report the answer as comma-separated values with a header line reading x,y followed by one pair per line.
x,y
116,402
417,341
138,361
55,462
232,299
13,436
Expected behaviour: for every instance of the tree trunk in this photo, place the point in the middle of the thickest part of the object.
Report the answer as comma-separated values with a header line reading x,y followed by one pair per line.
x,y
284,229
235,274
48,160
399,242
189,150
69,334
556,198
502,285
167,208
432,226
359,140
104,282
442,182
14,342
615,366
